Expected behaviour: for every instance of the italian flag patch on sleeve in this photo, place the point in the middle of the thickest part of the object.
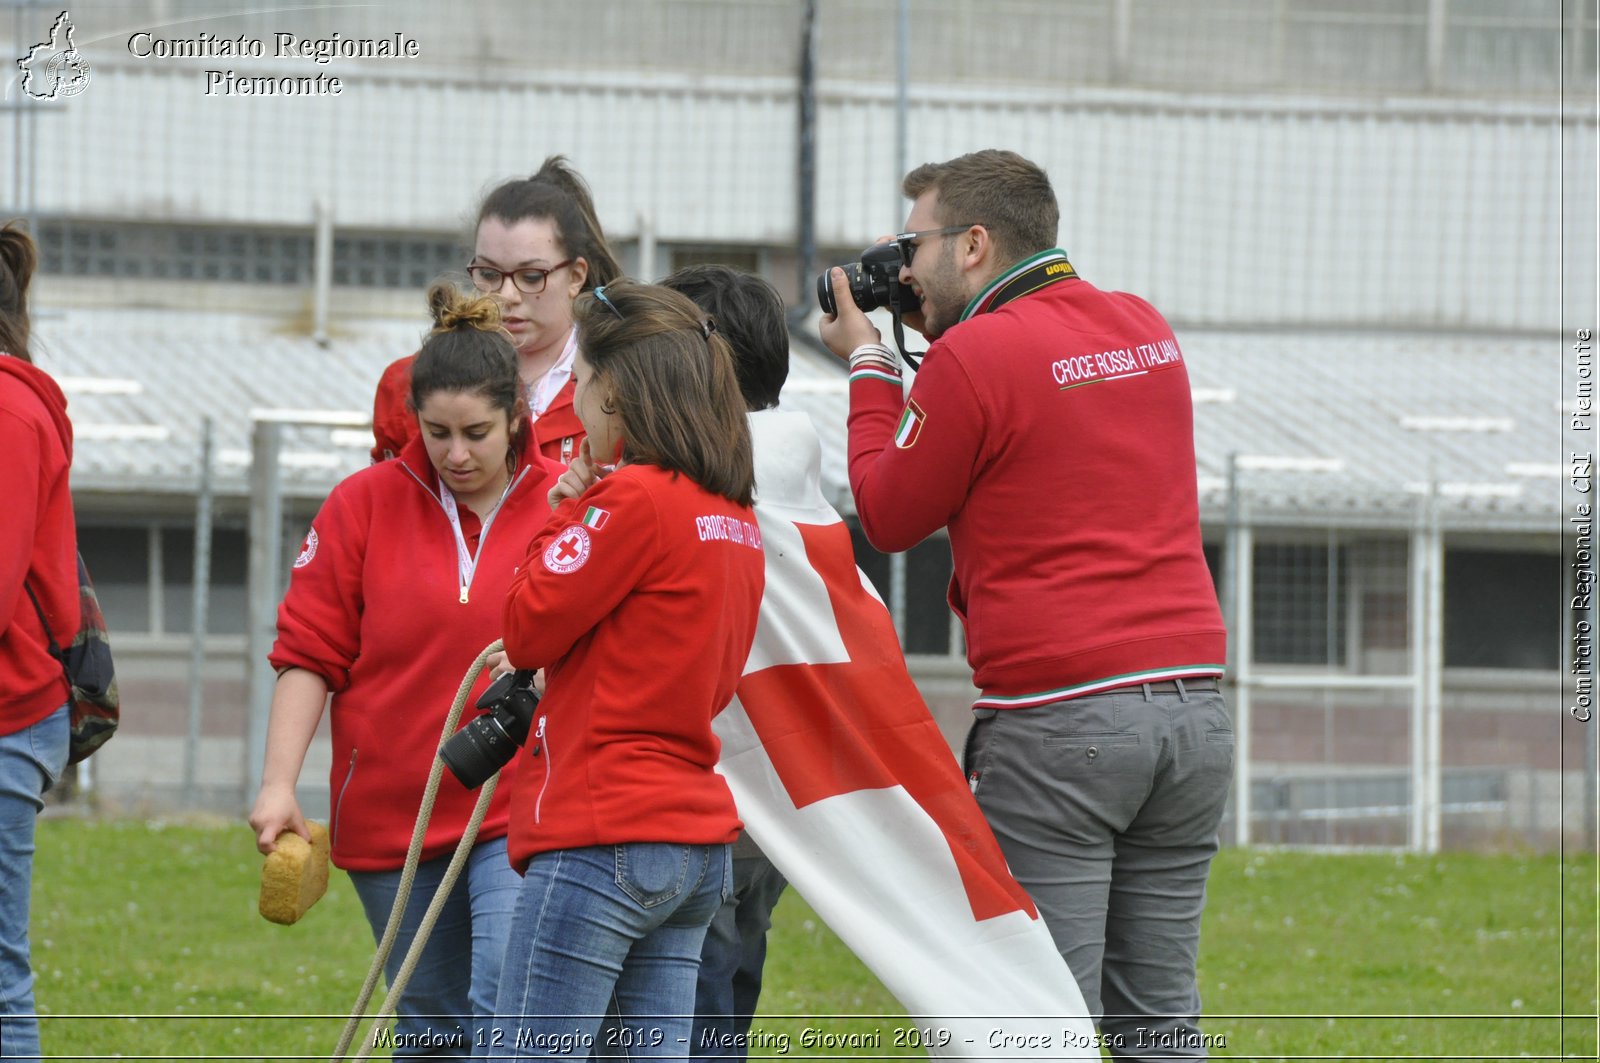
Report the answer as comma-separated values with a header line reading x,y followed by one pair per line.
x,y
910,425
596,518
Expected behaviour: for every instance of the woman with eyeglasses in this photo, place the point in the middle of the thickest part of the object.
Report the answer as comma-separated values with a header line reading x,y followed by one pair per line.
x,y
537,245
399,585
639,598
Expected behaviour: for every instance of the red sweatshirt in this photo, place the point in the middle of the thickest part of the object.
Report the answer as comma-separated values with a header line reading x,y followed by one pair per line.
x,y
374,608
38,543
1054,436
640,599
558,431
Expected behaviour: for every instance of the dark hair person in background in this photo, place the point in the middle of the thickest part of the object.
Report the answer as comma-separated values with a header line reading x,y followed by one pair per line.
x,y
749,314
1102,751
38,553
536,245
640,599
399,586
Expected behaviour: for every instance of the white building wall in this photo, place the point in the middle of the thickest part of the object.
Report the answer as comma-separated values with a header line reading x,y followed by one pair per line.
x,y
1220,209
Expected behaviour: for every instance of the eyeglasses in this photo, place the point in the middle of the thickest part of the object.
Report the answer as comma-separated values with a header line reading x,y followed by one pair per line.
x,y
605,301
528,281
908,245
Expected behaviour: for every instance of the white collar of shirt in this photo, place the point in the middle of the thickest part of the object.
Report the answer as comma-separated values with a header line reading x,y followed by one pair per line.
x,y
545,389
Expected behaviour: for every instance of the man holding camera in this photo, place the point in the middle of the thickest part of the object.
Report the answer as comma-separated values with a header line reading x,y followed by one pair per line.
x,y
1051,430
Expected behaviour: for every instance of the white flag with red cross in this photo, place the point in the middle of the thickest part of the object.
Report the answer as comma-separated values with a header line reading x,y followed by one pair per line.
x,y
844,779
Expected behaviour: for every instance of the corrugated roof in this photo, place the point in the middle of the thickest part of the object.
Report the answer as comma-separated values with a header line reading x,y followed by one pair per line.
x,y
1325,426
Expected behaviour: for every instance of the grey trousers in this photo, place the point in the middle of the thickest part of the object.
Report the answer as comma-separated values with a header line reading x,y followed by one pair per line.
x,y
1106,807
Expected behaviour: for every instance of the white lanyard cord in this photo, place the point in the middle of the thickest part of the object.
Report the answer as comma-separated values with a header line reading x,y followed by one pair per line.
x,y
467,560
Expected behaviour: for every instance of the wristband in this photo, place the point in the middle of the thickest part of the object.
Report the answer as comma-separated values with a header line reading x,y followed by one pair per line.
x,y
874,361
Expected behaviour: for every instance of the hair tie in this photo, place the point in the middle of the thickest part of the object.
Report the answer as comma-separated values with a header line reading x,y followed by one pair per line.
x,y
707,327
605,300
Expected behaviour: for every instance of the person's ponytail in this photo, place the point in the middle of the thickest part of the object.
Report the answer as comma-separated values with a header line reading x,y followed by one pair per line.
x,y
559,193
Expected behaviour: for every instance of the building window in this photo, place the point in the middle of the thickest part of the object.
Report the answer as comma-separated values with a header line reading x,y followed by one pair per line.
x,y
928,568
144,577
242,255
119,562
1502,609
1298,604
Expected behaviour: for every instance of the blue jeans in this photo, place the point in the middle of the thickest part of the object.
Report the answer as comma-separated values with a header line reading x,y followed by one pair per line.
x,y
31,761
608,927
1106,807
731,960
449,999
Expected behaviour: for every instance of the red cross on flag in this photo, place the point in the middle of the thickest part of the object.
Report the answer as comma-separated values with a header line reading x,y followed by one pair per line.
x,y
845,781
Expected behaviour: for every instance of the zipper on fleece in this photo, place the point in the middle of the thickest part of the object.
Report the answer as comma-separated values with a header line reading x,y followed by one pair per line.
x,y
338,805
539,738
483,533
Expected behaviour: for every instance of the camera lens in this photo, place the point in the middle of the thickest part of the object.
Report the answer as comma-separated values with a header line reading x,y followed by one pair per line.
x,y
825,291
874,282
477,751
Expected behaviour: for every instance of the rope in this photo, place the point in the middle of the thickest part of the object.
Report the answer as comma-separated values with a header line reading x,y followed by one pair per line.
x,y
386,1010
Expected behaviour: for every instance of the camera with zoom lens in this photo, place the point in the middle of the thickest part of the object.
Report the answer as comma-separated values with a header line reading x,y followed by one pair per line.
x,y
488,742
874,282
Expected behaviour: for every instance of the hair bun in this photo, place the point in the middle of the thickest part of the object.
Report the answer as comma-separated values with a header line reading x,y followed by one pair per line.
x,y
453,308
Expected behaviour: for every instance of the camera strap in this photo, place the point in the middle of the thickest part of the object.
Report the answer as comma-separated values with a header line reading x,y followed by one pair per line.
x,y
914,360
1024,278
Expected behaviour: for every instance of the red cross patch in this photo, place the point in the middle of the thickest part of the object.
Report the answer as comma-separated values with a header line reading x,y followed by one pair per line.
x,y
308,549
568,551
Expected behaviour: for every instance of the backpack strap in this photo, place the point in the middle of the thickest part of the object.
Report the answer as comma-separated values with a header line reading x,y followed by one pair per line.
x,y
55,648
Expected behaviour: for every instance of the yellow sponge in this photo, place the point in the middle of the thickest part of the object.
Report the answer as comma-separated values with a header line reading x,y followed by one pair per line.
x,y
295,875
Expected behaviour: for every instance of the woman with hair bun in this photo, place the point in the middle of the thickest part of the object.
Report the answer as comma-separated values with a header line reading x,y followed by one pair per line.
x,y
639,598
39,585
399,585
537,244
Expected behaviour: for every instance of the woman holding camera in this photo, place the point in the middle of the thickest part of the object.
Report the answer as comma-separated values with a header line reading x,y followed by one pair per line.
x,y
400,584
537,244
639,598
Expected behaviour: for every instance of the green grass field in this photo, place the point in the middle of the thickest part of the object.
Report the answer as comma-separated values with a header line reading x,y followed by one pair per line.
x,y
147,945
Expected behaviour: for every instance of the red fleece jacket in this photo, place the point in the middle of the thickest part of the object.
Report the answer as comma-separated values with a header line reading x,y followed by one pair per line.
x,y
640,598
374,608
38,543
1055,438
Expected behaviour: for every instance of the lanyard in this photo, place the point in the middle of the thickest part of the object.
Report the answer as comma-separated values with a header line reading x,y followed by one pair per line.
x,y
467,561
1024,278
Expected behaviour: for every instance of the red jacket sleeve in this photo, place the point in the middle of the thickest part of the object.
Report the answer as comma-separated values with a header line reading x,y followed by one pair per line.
x,y
913,461
319,621
575,574
393,422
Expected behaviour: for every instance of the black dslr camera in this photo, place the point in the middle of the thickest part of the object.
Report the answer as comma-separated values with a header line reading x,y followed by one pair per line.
x,y
874,282
488,742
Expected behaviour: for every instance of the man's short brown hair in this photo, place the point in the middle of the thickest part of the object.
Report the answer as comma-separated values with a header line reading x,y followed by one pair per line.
x,y
1000,190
